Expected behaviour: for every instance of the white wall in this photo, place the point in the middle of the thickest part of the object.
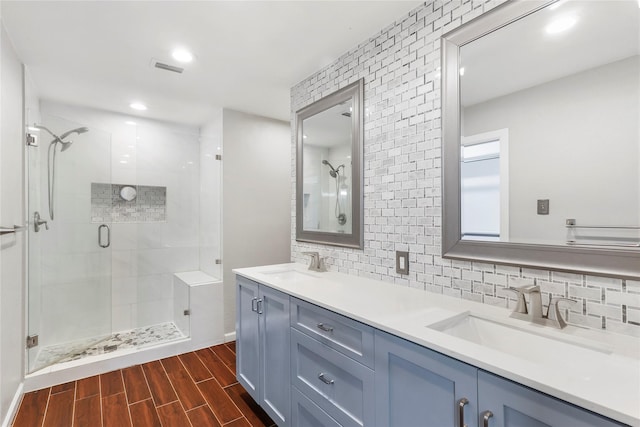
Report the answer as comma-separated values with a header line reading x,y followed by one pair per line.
x,y
557,133
12,246
256,207
402,177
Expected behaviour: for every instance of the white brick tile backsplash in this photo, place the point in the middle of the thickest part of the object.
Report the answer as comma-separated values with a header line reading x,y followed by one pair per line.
x,y
402,177
593,294
614,297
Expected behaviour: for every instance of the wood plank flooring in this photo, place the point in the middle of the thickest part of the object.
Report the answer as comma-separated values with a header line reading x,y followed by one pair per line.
x,y
197,389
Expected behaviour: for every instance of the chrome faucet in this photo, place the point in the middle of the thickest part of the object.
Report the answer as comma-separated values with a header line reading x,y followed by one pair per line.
x,y
534,312
317,263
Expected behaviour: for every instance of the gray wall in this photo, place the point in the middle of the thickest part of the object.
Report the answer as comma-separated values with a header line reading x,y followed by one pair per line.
x,y
12,246
402,177
557,133
256,183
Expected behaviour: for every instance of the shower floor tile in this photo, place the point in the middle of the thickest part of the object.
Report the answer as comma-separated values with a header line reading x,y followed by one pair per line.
x,y
139,337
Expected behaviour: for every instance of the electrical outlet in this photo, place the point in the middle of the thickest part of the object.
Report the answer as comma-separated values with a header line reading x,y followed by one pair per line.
x,y
402,262
543,206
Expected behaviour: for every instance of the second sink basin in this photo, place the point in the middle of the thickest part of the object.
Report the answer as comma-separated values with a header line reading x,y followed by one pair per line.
x,y
532,343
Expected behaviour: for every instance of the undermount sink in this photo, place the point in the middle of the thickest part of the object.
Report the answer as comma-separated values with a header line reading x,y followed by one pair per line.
x,y
533,343
288,274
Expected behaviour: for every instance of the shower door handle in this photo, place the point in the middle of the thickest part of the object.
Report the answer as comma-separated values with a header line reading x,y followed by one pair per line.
x,y
100,236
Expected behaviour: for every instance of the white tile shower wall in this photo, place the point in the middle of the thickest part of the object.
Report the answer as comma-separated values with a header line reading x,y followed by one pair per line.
x,y
148,206
402,177
143,256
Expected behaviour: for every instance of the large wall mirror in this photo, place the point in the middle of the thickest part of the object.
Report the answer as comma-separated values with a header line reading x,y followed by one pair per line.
x,y
329,169
541,150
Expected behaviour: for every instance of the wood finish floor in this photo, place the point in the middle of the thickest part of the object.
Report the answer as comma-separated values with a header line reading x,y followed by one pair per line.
x,y
196,389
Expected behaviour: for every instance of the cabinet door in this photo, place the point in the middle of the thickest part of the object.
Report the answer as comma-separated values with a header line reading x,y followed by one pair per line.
x,y
514,405
247,337
416,386
305,413
275,396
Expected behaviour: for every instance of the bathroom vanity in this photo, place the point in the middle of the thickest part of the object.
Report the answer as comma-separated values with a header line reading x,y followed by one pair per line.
x,y
336,350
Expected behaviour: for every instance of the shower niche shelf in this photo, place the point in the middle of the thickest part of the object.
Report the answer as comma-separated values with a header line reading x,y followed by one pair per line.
x,y
108,205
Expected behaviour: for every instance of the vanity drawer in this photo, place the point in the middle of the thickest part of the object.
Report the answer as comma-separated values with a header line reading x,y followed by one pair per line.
x,y
342,387
305,413
345,335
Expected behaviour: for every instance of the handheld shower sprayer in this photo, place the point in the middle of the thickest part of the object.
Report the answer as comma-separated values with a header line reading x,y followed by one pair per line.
x,y
51,159
335,173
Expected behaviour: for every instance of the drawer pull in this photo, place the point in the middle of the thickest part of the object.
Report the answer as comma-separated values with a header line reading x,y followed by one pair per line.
x,y
324,379
485,418
461,404
322,326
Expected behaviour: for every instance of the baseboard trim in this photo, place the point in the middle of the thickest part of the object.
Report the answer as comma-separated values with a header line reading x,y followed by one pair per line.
x,y
231,336
13,408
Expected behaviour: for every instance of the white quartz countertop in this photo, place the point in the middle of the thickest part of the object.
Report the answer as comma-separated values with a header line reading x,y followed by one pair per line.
x,y
598,370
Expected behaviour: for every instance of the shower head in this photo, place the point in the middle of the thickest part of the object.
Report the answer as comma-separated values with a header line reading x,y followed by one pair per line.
x,y
60,139
78,131
334,172
67,144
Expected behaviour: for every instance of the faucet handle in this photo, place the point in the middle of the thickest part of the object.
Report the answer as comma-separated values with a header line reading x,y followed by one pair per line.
x,y
521,306
558,320
529,289
315,260
321,264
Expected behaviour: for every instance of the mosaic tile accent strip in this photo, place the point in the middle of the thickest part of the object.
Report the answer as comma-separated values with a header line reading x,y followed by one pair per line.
x,y
148,206
134,338
402,177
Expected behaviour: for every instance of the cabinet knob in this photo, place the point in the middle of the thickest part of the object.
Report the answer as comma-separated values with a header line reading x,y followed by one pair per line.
x,y
461,404
485,418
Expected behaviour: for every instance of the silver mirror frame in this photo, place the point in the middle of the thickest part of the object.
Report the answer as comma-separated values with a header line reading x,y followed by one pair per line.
x,y
354,92
619,263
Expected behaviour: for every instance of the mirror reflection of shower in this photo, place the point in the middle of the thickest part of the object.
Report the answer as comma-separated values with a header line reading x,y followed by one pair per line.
x,y
335,173
51,158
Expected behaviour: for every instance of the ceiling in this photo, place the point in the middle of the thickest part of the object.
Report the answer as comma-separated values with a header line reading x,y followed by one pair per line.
x,y
522,55
248,53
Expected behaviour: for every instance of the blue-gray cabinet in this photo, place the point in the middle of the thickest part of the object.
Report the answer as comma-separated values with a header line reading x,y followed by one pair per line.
x,y
416,386
506,404
263,340
310,367
339,385
305,413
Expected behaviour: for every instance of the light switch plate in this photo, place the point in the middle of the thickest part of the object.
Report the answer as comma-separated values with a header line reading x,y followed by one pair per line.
x,y
543,206
402,262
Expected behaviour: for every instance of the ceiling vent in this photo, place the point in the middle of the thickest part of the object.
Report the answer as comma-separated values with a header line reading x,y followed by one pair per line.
x,y
161,65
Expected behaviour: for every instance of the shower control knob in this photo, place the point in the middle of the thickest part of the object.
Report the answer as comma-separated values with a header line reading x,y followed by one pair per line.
x,y
37,222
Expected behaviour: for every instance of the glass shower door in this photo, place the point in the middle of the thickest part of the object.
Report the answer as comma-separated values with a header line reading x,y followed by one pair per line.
x,y
69,259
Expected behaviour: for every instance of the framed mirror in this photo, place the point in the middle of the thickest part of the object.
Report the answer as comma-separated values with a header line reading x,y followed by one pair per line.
x,y
541,137
329,203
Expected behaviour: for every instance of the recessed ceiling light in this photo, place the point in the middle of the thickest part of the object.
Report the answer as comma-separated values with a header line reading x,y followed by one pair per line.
x,y
132,123
563,23
138,106
462,71
182,55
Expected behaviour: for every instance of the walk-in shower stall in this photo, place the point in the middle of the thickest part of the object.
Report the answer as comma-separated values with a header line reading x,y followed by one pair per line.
x,y
117,207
